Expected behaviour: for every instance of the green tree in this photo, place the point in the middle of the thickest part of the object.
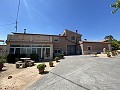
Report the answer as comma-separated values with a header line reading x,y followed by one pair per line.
x,y
114,43
116,6
109,37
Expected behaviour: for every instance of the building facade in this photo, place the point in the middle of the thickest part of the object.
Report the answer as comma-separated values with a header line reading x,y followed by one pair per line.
x,y
89,47
45,46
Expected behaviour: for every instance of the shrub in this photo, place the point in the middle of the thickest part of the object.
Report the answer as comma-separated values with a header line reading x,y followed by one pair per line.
x,y
62,55
22,55
2,60
11,58
50,63
41,66
34,57
56,59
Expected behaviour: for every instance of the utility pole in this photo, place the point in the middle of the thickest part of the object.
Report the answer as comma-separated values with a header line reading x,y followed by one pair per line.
x,y
16,25
17,16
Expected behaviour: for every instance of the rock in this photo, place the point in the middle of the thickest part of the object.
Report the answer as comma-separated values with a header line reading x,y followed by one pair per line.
x,y
9,77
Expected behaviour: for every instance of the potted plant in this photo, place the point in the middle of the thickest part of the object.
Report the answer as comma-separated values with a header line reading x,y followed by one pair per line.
x,y
1,63
62,56
113,53
50,63
56,59
41,67
108,54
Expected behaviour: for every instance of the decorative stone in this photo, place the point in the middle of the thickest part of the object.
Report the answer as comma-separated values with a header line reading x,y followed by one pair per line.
x,y
9,77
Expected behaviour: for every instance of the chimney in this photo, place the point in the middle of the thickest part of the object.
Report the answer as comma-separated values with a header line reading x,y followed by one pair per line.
x,y
85,39
76,31
24,31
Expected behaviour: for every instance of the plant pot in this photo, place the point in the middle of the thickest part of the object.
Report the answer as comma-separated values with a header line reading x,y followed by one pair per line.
x,y
51,64
1,66
108,55
56,60
113,54
41,70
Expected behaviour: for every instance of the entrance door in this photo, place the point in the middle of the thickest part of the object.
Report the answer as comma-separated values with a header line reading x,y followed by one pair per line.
x,y
71,50
46,53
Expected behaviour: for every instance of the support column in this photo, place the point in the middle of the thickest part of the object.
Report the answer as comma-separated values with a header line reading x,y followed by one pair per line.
x,y
51,51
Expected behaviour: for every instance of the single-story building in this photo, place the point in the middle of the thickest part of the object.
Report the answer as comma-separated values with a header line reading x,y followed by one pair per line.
x,y
97,47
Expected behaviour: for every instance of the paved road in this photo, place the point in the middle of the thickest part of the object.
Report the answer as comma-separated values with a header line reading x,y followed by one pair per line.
x,y
82,73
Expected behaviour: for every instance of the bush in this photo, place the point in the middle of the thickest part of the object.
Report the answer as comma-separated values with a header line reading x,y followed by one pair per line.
x,y
41,66
50,63
62,55
11,58
22,56
56,59
34,57
2,60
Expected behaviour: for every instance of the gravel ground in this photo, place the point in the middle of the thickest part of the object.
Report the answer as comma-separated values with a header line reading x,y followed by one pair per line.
x,y
82,73
21,78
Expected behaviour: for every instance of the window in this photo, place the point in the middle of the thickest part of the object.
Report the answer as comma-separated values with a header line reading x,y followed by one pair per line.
x,y
11,51
57,51
73,38
33,50
89,48
56,39
17,51
23,50
48,52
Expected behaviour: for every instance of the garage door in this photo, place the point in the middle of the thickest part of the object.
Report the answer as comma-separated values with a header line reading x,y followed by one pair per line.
x,y
71,50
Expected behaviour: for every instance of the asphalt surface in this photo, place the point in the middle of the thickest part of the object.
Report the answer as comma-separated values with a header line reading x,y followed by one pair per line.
x,y
82,73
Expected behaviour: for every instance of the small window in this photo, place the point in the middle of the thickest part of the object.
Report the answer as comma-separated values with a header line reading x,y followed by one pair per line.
x,y
11,51
56,39
57,51
89,48
73,38
33,50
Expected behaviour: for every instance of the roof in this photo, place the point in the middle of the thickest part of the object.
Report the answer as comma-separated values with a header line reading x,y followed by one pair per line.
x,y
47,34
73,32
93,42
38,34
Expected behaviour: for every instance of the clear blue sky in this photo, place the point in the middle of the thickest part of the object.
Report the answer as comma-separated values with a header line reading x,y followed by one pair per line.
x,y
92,18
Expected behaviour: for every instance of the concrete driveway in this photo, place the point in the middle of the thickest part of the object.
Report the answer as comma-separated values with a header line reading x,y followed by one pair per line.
x,y
82,73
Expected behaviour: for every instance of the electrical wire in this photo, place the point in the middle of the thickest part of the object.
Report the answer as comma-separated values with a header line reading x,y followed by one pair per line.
x,y
7,24
16,17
